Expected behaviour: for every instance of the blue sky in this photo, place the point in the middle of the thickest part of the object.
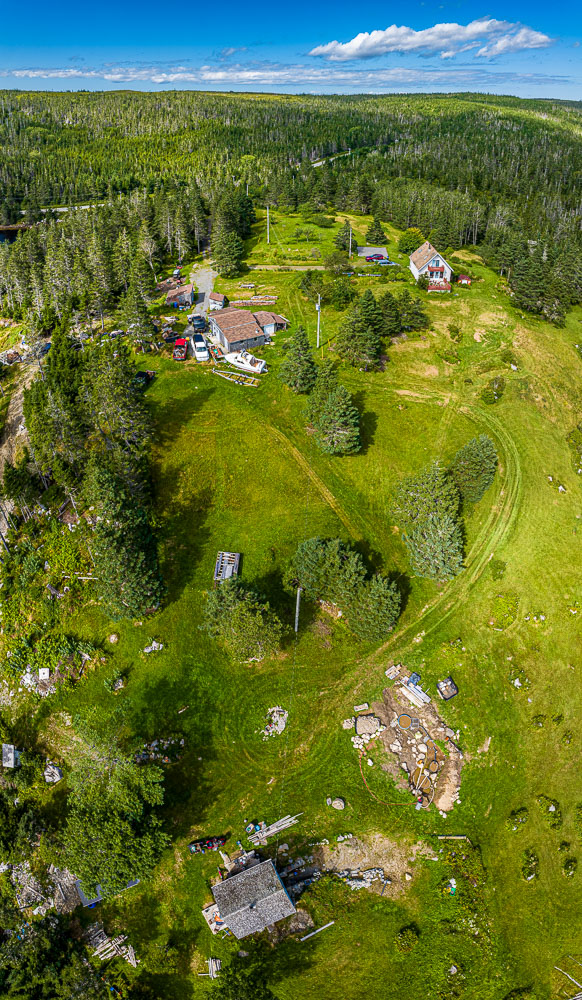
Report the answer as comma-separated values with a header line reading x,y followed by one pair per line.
x,y
326,47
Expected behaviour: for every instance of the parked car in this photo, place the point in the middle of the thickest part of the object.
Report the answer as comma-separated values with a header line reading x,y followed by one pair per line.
x,y
180,351
176,272
390,263
200,348
374,257
199,323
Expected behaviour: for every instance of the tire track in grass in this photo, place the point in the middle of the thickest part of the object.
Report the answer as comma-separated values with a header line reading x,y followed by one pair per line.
x,y
492,535
327,495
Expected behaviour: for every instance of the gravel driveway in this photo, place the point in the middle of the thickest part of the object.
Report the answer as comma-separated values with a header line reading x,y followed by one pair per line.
x,y
203,278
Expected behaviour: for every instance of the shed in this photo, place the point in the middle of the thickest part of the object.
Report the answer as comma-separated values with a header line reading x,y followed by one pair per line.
x,y
226,566
181,296
217,300
463,279
252,900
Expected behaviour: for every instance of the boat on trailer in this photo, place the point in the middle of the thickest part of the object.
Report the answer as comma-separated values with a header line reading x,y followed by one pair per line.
x,y
247,362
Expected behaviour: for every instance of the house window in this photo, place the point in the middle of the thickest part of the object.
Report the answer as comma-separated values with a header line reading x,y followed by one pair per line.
x,y
436,262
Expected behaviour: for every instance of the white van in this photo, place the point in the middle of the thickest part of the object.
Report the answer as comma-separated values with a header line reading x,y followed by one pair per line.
x,y
200,348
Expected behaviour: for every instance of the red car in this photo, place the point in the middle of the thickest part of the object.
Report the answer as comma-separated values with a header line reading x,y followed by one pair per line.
x,y
375,256
180,349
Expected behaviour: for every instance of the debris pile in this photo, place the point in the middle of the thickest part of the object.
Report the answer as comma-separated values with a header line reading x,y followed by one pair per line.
x,y
368,727
156,751
154,647
355,879
277,720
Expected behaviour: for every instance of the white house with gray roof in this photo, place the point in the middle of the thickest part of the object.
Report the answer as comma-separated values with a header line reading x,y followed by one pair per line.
x,y
427,260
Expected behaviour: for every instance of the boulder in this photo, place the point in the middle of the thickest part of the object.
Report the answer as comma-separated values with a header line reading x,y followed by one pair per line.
x,y
367,725
338,804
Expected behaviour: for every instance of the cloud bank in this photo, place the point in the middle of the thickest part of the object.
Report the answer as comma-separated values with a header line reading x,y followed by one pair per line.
x,y
487,35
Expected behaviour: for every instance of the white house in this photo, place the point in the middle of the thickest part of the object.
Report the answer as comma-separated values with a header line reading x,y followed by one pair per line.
x,y
240,329
427,260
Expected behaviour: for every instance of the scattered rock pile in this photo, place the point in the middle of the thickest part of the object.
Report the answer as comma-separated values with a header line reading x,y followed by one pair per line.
x,y
368,727
277,720
355,879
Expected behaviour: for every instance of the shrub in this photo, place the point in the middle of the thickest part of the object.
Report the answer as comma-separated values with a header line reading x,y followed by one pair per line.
x,y
517,819
473,468
551,810
569,867
530,865
497,568
407,938
494,390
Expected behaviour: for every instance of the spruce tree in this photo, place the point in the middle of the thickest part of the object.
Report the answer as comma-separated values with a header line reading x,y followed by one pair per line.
x,y
308,569
342,238
298,369
390,314
124,550
473,468
412,314
436,547
376,235
227,252
369,312
430,493
410,240
337,427
325,382
376,609
357,344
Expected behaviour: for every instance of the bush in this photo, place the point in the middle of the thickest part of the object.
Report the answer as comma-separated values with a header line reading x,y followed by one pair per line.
x,y
407,938
551,810
517,819
494,390
530,865
569,867
473,468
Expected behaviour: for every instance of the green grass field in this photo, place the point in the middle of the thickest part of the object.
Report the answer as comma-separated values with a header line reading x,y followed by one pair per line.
x,y
235,469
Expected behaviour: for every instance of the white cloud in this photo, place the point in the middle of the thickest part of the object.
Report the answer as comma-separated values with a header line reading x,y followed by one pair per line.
x,y
446,39
296,77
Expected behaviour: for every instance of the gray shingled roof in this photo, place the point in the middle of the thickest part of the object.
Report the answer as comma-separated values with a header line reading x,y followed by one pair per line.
x,y
252,900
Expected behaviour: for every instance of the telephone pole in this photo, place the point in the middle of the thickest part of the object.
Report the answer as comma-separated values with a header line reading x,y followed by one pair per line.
x,y
268,229
318,310
350,253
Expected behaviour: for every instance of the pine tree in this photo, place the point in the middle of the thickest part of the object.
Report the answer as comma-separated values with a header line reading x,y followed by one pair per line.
x,y
308,569
148,247
375,610
436,547
412,314
376,235
337,427
473,468
431,493
298,369
243,621
133,308
390,314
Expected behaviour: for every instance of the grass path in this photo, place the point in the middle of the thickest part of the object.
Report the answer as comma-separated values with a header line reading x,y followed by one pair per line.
x,y
492,535
318,483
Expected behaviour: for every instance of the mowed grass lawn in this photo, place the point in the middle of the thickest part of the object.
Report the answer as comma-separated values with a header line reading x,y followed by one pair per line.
x,y
236,469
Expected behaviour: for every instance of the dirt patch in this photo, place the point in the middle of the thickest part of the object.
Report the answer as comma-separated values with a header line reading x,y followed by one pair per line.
x,y
433,732
478,336
430,371
376,852
491,318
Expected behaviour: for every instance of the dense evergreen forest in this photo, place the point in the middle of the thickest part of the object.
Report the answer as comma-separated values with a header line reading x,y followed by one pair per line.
x,y
500,172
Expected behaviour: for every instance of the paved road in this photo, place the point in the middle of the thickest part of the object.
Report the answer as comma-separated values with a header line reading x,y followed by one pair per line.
x,y
203,278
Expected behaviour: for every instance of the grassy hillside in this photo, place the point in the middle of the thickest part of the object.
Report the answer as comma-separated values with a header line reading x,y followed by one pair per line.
x,y
235,469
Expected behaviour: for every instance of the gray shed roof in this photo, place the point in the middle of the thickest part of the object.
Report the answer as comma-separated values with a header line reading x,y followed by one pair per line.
x,y
252,900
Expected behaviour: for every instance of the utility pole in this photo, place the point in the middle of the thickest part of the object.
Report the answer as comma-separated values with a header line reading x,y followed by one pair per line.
x,y
318,309
247,189
350,253
297,605
268,229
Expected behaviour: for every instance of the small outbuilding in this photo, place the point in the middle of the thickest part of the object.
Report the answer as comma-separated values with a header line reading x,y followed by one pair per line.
x,y
10,755
181,296
217,301
252,900
463,279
